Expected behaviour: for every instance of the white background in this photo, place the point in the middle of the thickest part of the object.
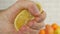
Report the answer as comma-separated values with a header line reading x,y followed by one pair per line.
x,y
51,7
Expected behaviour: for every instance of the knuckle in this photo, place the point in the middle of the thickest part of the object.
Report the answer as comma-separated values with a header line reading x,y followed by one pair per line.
x,y
31,4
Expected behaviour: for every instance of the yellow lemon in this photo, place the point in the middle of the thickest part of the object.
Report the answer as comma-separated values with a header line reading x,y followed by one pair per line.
x,y
23,17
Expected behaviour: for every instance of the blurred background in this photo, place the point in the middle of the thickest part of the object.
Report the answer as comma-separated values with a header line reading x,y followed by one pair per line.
x,y
51,7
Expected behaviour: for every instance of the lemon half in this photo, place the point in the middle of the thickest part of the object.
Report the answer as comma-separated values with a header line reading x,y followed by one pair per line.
x,y
23,17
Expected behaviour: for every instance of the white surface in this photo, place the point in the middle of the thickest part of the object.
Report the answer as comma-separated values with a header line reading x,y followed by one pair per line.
x,y
6,3
51,7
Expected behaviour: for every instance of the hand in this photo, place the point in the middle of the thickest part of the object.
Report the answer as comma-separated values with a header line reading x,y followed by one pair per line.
x,y
7,18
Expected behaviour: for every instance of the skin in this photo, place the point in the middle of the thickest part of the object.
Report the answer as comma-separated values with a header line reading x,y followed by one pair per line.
x,y
8,15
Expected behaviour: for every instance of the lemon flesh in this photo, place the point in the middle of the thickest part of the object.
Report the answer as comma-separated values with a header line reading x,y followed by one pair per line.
x,y
23,17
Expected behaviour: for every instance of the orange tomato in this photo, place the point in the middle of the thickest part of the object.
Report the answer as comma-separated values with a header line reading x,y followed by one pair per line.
x,y
49,29
42,31
54,26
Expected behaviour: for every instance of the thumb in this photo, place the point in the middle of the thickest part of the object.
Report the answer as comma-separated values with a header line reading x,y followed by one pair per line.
x,y
12,11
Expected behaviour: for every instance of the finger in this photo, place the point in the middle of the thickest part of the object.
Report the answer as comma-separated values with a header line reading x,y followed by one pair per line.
x,y
23,30
34,25
34,10
41,17
26,30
